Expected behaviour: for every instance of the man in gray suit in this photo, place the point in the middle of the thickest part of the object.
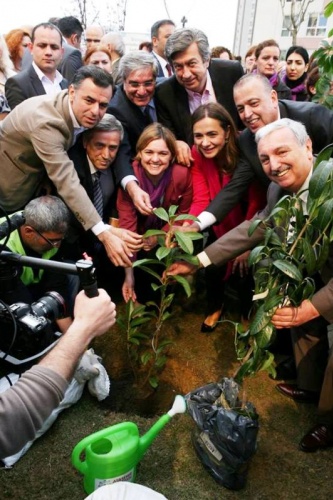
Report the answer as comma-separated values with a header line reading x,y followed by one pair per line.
x,y
285,152
41,76
34,140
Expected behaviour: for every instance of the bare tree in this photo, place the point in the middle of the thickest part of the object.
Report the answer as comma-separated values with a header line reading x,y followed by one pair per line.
x,y
294,13
111,15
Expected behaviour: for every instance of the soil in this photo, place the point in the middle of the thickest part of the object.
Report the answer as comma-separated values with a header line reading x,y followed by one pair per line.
x,y
278,470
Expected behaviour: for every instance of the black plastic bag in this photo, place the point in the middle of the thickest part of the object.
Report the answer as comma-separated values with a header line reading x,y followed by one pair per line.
x,y
226,434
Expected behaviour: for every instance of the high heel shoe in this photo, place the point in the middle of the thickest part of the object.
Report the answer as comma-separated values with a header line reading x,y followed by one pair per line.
x,y
210,328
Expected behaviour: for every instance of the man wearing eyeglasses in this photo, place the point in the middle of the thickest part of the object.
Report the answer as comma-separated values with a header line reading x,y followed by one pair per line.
x,y
46,223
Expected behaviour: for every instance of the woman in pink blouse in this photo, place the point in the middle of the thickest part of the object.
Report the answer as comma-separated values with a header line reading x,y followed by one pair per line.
x,y
215,156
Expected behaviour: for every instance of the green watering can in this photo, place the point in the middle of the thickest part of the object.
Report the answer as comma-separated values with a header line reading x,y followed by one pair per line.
x,y
112,454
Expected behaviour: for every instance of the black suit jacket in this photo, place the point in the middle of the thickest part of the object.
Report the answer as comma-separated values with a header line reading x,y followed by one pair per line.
x,y
133,121
318,121
160,69
71,62
171,98
24,85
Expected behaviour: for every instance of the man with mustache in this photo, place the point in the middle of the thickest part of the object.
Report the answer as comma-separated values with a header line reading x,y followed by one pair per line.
x,y
285,153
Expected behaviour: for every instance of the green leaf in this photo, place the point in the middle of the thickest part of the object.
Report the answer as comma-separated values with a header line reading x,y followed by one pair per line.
x,y
161,361
320,178
154,232
172,210
153,381
139,321
162,345
192,234
260,320
184,242
257,254
324,215
268,362
184,283
145,357
288,269
162,252
138,263
263,337
323,253
161,213
186,217
309,256
254,225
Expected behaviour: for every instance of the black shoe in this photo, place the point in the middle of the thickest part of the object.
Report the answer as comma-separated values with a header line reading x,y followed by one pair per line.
x,y
210,328
286,370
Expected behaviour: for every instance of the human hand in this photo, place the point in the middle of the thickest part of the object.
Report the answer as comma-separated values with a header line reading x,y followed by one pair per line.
x,y
149,243
139,197
287,317
134,241
128,286
117,250
181,268
242,261
184,156
94,315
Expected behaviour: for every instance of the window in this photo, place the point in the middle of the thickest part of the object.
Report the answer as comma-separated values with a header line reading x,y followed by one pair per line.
x,y
316,25
286,26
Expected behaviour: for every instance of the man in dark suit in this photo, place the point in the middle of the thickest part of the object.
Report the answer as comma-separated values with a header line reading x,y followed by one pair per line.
x,y
285,151
257,106
93,155
160,32
133,105
71,30
197,80
41,76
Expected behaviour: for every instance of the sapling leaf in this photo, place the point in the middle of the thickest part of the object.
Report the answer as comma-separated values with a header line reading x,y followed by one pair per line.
x,y
309,256
145,357
319,179
324,216
153,381
184,283
153,232
254,225
263,337
162,252
172,210
161,213
260,320
184,242
186,217
288,269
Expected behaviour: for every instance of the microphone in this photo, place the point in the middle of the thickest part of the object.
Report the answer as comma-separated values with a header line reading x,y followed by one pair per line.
x,y
10,224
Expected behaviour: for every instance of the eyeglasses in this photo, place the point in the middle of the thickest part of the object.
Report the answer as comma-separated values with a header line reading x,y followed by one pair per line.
x,y
53,242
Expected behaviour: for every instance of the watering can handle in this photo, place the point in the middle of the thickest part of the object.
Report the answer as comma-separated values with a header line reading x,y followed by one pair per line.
x,y
103,433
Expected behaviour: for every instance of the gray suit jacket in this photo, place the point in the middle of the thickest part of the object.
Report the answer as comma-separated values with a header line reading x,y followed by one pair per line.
x,y
24,85
237,241
71,62
34,140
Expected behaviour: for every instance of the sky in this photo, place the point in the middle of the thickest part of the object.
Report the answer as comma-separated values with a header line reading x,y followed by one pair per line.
x,y
215,17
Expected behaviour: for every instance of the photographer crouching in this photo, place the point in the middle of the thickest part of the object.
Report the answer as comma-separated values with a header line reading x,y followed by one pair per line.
x,y
46,223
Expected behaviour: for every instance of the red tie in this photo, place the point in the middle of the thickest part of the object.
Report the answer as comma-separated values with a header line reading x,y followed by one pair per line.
x,y
168,68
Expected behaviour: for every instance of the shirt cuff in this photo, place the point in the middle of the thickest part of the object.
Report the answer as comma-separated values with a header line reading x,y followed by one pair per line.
x,y
205,219
99,228
127,179
204,259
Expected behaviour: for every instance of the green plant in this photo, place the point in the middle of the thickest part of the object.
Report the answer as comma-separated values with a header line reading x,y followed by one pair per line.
x,y
144,324
284,265
324,58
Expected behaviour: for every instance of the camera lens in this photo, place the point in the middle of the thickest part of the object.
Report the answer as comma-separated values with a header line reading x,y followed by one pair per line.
x,y
52,306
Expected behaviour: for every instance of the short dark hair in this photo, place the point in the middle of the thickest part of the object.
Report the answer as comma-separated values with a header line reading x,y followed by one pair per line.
x,y
49,26
98,75
156,26
70,25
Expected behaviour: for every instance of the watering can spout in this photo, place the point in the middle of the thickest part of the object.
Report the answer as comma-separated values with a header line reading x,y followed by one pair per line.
x,y
179,406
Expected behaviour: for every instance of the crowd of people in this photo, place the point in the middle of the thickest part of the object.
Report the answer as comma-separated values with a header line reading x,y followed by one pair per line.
x,y
91,144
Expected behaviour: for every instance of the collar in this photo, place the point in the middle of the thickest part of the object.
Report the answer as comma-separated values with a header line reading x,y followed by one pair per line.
x,y
208,90
304,189
163,62
93,170
57,78
76,125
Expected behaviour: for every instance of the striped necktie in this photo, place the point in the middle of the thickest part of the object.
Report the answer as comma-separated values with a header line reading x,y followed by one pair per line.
x,y
98,195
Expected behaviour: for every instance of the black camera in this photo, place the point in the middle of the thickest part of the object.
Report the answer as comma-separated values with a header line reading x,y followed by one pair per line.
x,y
28,330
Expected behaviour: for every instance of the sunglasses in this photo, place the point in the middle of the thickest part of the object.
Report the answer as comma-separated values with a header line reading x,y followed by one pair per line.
x,y
53,242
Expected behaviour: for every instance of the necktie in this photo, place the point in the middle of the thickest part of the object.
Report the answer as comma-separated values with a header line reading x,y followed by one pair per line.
x,y
146,114
98,195
169,69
